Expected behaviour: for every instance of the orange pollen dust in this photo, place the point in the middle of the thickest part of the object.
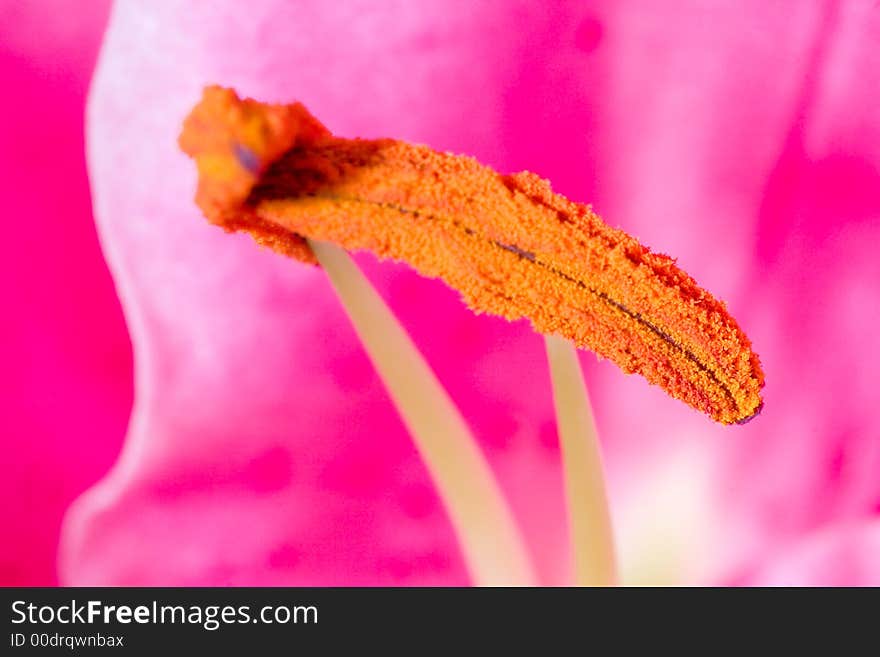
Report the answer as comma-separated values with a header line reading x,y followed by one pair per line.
x,y
507,243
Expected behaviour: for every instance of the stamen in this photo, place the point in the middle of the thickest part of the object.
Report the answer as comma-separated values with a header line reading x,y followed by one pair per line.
x,y
510,245
513,248
589,518
490,540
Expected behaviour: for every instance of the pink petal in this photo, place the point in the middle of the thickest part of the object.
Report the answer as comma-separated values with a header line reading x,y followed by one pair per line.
x,y
264,450
842,555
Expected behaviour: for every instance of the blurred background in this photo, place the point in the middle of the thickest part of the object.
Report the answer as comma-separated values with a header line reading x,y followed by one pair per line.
x,y
742,138
66,384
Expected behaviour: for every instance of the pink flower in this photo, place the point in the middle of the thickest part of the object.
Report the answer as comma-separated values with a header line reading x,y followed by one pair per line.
x,y
263,449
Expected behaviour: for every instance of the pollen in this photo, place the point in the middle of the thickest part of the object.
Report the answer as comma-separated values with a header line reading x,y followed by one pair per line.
x,y
509,244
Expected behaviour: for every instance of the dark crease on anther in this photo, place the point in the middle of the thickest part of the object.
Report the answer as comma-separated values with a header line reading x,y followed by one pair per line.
x,y
518,251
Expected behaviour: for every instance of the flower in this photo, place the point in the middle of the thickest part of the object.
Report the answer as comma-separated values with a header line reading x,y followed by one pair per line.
x,y
262,447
